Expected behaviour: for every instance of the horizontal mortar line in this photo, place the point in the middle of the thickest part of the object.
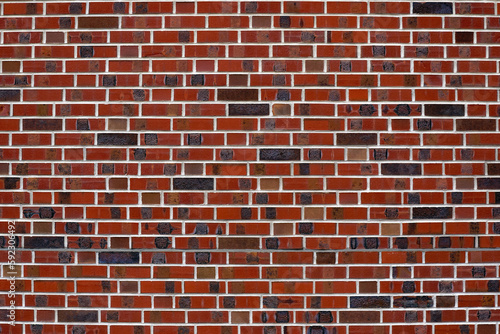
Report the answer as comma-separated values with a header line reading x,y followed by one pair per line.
x,y
264,220
256,309
285,191
331,87
363,205
181,73
257,236
257,14
332,178
301,251
256,87
152,58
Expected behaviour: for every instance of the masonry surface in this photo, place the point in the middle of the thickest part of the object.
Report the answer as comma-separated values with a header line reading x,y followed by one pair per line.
x,y
308,167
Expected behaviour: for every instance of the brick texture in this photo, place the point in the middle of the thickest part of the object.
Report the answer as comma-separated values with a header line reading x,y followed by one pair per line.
x,y
298,167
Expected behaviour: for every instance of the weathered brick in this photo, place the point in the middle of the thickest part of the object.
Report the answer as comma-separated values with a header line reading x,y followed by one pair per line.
x,y
358,139
401,169
413,302
248,109
494,169
237,94
464,37
476,125
109,80
118,257
97,22
9,95
33,124
359,317
279,154
11,182
43,242
432,8
117,139
370,302
432,213
488,183
86,51
193,183
444,110
77,316
238,243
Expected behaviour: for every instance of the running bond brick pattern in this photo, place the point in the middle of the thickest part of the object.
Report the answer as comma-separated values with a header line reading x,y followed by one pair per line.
x,y
312,167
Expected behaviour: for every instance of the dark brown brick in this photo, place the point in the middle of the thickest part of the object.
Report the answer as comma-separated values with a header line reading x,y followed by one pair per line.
x,y
97,22
359,139
488,183
464,37
238,243
445,301
118,257
325,258
432,213
238,80
476,124
279,154
494,169
444,110
33,124
11,182
11,66
370,302
77,316
359,317
43,242
117,139
118,183
401,169
248,109
432,8
8,95
413,302
193,184
237,94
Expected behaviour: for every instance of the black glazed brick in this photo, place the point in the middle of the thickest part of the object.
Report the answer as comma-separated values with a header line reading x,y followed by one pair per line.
x,y
432,213
444,110
43,242
77,316
401,169
370,302
116,139
432,8
10,95
279,154
193,184
248,109
119,257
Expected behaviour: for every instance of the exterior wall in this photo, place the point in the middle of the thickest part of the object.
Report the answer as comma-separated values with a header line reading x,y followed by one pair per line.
x,y
312,167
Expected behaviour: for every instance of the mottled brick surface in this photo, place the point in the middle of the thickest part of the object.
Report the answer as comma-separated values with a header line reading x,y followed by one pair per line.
x,y
298,167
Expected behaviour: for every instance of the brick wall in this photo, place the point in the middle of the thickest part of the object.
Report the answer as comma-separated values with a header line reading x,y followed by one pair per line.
x,y
250,167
